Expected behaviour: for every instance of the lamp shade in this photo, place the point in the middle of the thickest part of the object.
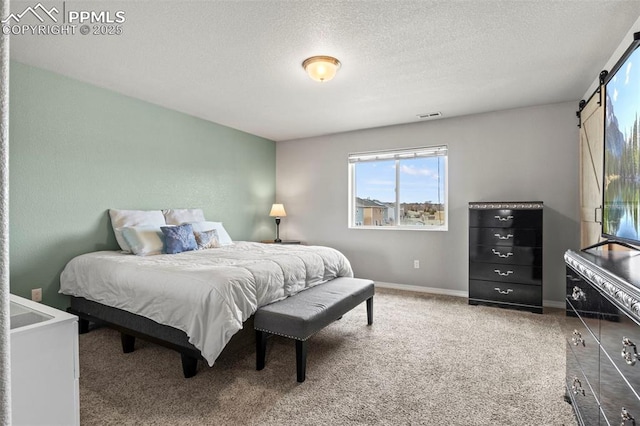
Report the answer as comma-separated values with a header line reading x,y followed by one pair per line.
x,y
321,68
277,210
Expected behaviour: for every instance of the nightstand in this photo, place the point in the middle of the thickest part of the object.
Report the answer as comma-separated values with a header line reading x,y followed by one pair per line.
x,y
281,242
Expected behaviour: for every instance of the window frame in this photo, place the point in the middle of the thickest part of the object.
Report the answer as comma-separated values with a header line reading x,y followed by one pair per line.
x,y
398,155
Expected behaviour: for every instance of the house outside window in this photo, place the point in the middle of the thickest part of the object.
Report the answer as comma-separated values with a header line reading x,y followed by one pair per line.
x,y
399,189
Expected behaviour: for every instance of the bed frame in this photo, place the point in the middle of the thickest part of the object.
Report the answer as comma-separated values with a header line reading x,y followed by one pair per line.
x,y
131,326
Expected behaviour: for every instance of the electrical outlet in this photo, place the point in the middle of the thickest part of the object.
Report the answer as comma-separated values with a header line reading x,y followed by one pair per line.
x,y
36,295
416,264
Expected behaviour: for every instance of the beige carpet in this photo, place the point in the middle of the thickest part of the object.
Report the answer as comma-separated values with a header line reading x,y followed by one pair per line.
x,y
427,360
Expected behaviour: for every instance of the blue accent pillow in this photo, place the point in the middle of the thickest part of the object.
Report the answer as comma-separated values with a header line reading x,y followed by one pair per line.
x,y
178,238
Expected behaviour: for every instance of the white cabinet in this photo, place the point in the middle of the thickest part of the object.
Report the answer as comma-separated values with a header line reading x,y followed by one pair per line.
x,y
44,365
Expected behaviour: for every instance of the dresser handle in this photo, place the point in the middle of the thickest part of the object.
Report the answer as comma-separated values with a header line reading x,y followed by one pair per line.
x,y
503,219
576,387
577,338
578,294
502,274
624,415
500,237
507,291
629,357
497,253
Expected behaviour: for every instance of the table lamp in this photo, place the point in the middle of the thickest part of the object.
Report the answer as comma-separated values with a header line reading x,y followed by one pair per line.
x,y
277,211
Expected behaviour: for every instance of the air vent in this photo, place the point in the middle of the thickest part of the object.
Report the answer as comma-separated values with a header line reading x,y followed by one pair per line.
x,y
430,115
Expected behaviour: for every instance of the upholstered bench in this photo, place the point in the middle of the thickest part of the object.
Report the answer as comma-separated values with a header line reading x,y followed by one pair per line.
x,y
303,314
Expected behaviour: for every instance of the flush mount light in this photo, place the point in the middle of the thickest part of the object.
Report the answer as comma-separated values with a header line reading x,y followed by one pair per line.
x,y
321,68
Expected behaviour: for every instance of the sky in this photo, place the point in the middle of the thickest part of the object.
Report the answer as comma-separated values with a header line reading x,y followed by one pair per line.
x,y
418,180
624,91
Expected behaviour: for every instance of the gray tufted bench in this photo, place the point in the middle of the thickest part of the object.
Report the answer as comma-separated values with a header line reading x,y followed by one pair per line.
x,y
301,315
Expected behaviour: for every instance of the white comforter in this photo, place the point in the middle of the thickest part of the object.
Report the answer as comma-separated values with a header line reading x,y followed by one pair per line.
x,y
208,294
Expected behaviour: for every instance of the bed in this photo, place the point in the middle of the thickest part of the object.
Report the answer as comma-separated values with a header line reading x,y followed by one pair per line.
x,y
193,301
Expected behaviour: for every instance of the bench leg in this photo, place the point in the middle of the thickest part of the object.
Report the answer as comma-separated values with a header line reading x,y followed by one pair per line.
x,y
128,343
189,365
301,359
370,310
261,349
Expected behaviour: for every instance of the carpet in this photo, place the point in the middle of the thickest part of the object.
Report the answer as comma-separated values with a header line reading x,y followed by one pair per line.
x,y
426,360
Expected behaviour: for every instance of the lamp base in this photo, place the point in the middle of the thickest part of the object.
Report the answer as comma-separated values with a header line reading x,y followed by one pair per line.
x,y
277,240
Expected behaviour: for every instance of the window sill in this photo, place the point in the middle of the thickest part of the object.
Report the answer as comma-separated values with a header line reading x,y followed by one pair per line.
x,y
402,228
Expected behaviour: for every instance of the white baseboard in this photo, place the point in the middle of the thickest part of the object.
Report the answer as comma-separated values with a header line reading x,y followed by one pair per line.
x,y
447,292
421,289
554,304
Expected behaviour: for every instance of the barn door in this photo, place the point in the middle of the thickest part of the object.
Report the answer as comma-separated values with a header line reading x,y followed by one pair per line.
x,y
591,169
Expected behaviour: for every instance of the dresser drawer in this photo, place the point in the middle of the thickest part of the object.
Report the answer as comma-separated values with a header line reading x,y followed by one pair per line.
x,y
505,218
519,294
584,347
615,395
620,340
582,296
581,392
509,237
591,319
521,274
506,255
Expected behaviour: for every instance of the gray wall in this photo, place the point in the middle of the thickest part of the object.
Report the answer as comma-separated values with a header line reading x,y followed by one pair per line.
x,y
521,154
77,150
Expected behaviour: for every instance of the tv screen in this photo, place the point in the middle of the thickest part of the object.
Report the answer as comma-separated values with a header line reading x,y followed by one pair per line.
x,y
621,177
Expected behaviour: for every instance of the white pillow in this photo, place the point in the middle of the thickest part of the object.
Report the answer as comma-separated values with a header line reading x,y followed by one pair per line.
x,y
180,216
144,240
223,237
126,218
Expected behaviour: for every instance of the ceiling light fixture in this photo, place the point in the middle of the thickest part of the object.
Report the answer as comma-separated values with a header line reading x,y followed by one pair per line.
x,y
321,68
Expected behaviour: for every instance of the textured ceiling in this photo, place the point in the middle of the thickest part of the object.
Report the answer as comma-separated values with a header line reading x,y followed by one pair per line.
x,y
238,63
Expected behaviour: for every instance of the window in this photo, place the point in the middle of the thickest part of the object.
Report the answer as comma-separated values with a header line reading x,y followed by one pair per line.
x,y
399,189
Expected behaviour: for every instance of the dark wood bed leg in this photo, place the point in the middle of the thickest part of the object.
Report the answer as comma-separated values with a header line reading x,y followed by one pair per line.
x,y
83,326
128,343
370,310
189,365
261,349
301,359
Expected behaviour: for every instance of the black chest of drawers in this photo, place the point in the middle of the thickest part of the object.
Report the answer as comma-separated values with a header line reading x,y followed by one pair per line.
x,y
505,254
602,330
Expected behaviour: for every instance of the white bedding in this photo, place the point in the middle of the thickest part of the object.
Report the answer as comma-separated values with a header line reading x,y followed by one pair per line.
x,y
208,294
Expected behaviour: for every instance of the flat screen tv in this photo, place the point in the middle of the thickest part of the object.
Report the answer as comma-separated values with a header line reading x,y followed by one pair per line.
x,y
621,177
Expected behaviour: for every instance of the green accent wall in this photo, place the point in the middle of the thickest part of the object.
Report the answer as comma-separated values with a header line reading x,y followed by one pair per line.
x,y
77,150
